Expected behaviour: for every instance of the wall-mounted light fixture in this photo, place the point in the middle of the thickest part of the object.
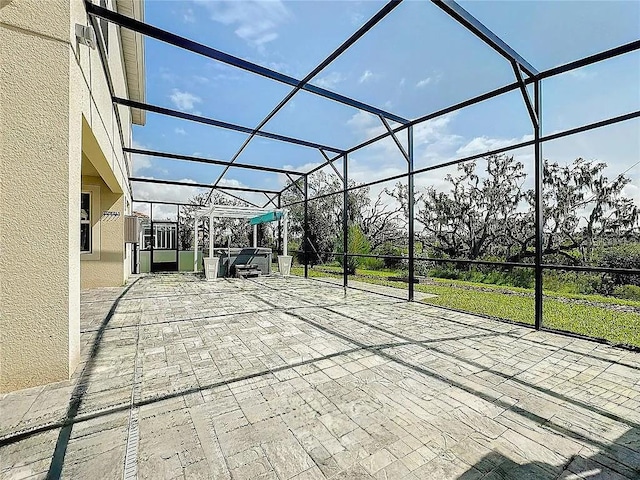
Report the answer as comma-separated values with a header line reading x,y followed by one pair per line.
x,y
86,35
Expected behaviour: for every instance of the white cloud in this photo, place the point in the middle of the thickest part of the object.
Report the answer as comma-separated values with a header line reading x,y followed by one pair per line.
x,y
424,82
485,144
168,77
253,197
284,180
581,74
330,80
188,16
366,76
402,82
356,18
166,193
362,120
200,79
184,100
139,163
256,22
180,131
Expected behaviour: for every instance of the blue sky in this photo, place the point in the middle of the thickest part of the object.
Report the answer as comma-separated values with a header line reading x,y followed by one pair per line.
x,y
415,61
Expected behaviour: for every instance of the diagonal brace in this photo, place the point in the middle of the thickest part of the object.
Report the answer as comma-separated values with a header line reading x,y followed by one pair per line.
x,y
293,182
525,93
270,200
330,162
395,139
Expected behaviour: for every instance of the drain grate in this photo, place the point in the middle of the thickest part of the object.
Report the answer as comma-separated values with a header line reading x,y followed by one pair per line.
x,y
133,435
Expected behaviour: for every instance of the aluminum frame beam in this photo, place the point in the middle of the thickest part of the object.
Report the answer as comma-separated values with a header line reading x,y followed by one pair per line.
x,y
228,194
219,123
533,115
407,156
271,201
567,67
200,185
330,162
189,158
162,202
508,148
471,23
209,52
382,13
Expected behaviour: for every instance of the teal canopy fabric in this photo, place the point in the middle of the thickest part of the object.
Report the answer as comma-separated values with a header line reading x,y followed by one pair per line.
x,y
266,218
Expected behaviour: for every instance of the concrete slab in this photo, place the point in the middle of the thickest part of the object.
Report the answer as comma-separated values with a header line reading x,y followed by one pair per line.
x,y
288,378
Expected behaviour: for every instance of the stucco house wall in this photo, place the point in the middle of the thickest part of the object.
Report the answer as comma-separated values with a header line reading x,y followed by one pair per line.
x,y
58,135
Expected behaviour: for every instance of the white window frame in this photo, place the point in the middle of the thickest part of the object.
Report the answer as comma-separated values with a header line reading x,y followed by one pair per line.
x,y
87,222
95,217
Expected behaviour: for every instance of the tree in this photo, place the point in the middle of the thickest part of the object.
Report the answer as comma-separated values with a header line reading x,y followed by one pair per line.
x,y
473,219
324,214
241,233
384,220
378,221
581,208
493,216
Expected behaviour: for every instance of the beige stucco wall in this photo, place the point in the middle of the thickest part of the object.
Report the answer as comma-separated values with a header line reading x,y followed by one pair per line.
x,y
105,269
48,84
40,280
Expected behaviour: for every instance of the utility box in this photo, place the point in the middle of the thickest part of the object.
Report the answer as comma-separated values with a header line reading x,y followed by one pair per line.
x,y
132,228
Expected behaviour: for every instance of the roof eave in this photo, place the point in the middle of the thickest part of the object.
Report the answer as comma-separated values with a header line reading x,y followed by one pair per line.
x,y
133,56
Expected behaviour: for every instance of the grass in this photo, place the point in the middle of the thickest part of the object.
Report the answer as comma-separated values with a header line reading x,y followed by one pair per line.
x,y
591,320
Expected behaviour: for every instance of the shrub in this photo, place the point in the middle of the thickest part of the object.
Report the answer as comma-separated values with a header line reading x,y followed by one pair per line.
x,y
356,243
621,256
627,292
576,283
372,263
390,249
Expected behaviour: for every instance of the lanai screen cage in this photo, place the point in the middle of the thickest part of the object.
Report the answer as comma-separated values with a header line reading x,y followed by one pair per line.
x,y
527,80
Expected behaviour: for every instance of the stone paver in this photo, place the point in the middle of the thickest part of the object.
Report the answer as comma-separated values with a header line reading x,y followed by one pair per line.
x,y
287,378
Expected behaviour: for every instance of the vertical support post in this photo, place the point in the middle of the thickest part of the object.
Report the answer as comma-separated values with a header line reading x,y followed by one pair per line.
x,y
539,204
255,236
195,244
411,214
211,236
177,239
279,236
305,239
152,237
345,221
286,235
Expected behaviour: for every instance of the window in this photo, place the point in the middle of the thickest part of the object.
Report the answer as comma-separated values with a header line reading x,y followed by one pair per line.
x,y
146,237
164,237
85,222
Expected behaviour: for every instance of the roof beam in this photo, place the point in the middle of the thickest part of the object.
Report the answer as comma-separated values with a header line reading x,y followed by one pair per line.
x,y
382,13
238,198
188,158
471,23
200,185
160,202
218,123
186,44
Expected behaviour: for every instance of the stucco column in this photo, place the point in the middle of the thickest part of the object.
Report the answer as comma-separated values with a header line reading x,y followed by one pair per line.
x,y
40,158
255,236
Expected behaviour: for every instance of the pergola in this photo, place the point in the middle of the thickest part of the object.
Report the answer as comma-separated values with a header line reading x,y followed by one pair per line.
x,y
255,214
524,75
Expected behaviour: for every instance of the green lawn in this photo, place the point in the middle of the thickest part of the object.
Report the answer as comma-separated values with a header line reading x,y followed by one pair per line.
x,y
594,321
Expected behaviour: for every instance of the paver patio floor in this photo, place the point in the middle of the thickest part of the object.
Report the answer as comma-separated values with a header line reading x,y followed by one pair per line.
x,y
287,378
